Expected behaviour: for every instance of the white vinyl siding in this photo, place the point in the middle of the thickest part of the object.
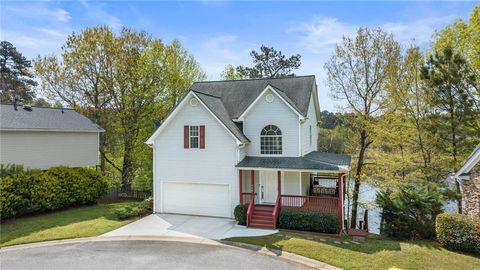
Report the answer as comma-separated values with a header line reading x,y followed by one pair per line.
x,y
310,123
44,149
276,113
213,165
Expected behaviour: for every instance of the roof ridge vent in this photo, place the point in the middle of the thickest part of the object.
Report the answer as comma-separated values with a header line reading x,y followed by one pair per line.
x,y
27,108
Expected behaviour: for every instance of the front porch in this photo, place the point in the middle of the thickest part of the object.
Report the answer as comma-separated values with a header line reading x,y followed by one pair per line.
x,y
266,191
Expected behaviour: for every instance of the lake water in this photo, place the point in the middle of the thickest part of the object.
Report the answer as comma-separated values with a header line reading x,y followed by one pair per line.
x,y
367,197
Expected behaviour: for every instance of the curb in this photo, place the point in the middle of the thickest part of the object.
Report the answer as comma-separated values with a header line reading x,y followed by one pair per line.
x,y
283,255
193,240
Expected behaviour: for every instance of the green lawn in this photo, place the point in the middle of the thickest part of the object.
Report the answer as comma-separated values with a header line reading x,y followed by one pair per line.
x,y
70,223
371,253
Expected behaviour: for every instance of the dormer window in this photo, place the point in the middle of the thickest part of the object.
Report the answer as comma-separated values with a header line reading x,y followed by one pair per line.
x,y
271,140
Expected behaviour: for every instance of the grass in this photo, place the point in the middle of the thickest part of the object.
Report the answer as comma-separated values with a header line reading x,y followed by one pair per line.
x,y
83,221
371,253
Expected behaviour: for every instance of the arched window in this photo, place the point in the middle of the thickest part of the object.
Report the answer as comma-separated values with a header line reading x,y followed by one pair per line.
x,y
271,140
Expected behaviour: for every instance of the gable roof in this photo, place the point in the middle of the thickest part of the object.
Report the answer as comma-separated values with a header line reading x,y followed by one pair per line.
x,y
317,161
227,100
44,119
238,95
469,163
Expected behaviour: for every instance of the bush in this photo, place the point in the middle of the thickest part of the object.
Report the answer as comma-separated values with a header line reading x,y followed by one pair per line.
x,y
142,208
410,212
308,221
459,232
240,214
23,192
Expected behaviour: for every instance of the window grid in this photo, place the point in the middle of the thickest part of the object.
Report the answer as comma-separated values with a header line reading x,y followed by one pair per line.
x,y
194,136
271,141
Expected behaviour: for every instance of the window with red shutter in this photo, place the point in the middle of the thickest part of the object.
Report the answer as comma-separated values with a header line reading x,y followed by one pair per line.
x,y
202,137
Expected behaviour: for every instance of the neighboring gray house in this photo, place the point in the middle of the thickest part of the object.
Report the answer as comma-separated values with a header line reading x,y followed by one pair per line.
x,y
251,142
469,178
39,137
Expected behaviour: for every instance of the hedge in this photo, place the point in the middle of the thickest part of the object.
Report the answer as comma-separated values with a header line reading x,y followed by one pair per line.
x,y
308,221
240,214
24,192
142,208
459,232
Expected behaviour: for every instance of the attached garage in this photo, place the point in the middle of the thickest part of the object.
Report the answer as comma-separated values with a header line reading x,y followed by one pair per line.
x,y
196,199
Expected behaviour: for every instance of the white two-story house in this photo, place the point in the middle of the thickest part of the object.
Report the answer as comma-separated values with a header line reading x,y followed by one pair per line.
x,y
251,142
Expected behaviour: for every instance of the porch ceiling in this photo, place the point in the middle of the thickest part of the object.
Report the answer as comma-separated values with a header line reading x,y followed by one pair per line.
x,y
312,161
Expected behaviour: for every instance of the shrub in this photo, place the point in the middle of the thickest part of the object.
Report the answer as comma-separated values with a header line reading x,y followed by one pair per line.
x,y
142,208
240,214
410,212
23,192
459,232
308,221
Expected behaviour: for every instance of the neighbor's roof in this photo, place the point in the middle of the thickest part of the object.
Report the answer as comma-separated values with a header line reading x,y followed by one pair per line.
x,y
45,119
469,163
313,161
237,95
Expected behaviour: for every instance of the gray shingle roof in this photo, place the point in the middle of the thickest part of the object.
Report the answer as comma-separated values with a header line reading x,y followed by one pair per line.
x,y
312,161
236,96
216,106
41,118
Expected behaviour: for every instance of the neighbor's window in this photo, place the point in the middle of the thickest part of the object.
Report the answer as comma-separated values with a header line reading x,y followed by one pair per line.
x,y
271,140
194,136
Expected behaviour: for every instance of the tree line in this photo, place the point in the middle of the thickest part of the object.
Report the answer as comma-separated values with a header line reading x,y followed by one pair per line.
x,y
412,115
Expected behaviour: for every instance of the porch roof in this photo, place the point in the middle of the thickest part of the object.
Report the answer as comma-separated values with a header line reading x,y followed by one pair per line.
x,y
315,160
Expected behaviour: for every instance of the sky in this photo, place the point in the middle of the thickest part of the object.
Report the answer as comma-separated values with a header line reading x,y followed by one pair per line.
x,y
218,33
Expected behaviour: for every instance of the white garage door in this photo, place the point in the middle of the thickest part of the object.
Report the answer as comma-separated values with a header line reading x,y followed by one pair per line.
x,y
196,199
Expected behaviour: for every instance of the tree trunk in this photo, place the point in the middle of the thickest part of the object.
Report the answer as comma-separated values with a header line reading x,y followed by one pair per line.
x,y
127,167
102,150
358,173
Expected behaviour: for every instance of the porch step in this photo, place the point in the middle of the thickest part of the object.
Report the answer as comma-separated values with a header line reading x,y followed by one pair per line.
x,y
262,217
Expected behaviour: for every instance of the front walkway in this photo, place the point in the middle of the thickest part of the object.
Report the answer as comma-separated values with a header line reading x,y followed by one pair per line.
x,y
187,226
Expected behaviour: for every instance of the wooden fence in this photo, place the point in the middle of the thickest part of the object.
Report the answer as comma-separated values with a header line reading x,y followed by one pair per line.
x,y
116,195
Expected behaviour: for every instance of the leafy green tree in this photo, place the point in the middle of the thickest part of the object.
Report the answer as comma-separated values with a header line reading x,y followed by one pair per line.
x,y
16,77
123,81
231,73
358,73
450,81
463,38
78,78
268,63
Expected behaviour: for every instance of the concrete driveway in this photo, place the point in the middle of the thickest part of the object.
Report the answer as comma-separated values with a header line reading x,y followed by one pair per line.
x,y
186,226
145,255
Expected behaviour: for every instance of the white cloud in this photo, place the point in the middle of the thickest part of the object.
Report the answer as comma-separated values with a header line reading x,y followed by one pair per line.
x,y
53,32
321,33
41,10
420,31
98,14
217,51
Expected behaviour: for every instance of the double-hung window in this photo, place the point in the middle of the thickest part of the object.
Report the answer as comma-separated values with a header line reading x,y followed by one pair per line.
x,y
194,137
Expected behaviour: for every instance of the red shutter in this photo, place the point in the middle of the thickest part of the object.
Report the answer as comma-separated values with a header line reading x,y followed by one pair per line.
x,y
186,137
202,137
